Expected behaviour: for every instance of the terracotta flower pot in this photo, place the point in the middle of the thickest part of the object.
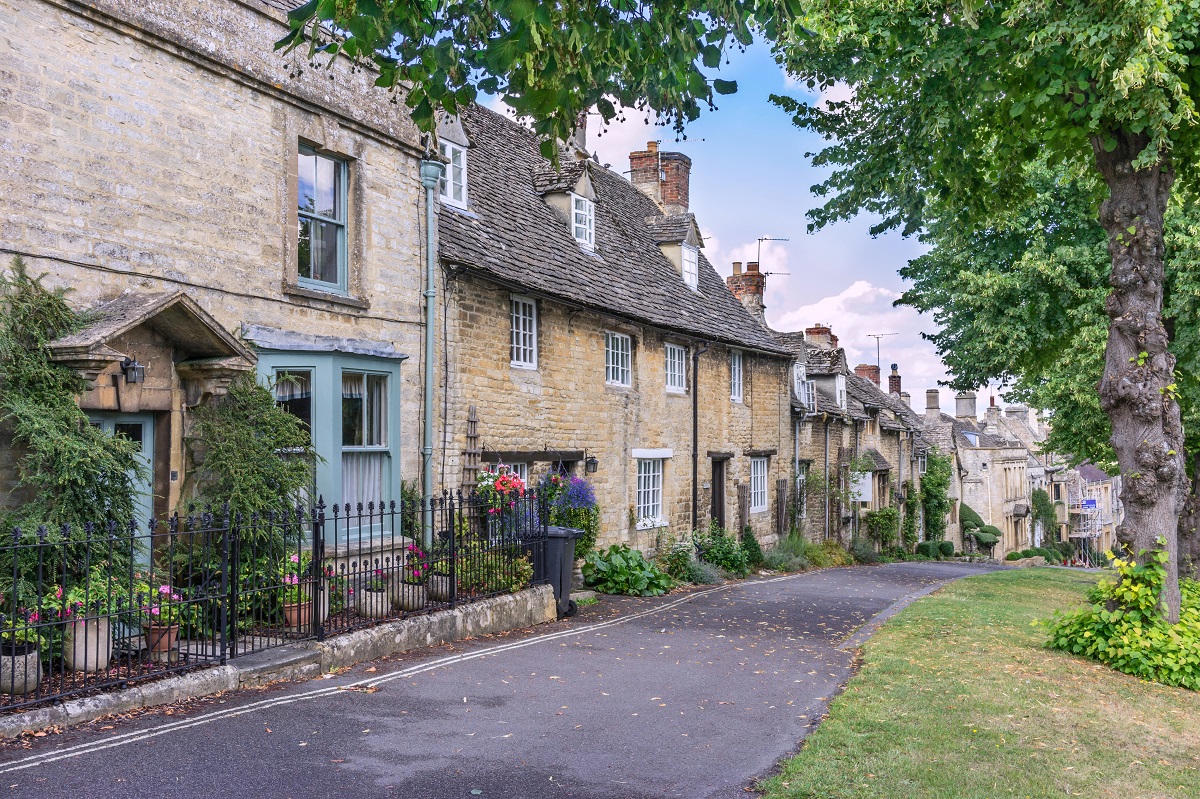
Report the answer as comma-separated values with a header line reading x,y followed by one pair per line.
x,y
163,641
298,615
20,669
411,596
87,644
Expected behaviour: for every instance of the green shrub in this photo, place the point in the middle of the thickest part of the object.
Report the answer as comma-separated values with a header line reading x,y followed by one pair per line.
x,y
968,517
928,549
701,573
716,547
1013,556
778,560
483,569
754,553
677,559
621,570
1027,553
863,551
946,548
827,554
883,525
1134,637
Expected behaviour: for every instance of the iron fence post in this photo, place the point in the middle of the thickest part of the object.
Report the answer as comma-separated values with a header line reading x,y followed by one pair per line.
x,y
233,574
318,561
452,548
223,604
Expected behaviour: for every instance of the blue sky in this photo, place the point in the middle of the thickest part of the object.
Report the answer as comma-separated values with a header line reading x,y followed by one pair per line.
x,y
750,178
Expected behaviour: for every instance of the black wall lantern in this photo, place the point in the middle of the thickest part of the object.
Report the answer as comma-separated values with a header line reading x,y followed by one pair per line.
x,y
590,464
134,371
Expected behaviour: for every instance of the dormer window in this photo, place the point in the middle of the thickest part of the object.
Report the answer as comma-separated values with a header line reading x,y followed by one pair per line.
x,y
839,388
691,266
454,179
583,221
799,378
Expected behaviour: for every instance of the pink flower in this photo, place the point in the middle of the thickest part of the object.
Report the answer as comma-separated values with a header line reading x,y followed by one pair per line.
x,y
58,592
164,589
154,611
294,558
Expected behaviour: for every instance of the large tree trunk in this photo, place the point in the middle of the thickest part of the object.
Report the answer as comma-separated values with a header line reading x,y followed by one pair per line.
x,y
1138,369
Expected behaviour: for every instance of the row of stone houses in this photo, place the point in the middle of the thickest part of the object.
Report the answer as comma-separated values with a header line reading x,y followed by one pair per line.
x,y
223,210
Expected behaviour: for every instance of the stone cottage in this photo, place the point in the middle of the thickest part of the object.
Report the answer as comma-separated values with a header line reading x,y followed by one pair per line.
x,y
587,331
221,210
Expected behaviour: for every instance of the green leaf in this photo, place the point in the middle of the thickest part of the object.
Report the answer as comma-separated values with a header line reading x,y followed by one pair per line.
x,y
724,86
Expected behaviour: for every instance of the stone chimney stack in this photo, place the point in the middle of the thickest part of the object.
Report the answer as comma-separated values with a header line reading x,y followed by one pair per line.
x,y
993,416
933,405
748,286
821,336
964,406
662,176
868,370
894,381
578,140
906,398
1018,412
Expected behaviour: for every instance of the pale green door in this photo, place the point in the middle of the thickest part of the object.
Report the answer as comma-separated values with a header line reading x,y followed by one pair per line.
x,y
139,428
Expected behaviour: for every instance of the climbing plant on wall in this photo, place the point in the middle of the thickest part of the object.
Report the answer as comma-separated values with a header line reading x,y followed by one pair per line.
x,y
935,494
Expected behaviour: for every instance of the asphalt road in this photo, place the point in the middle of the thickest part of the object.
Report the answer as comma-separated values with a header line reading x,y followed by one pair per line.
x,y
681,696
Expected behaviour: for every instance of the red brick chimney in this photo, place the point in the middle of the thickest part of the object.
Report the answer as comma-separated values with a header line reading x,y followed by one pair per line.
x,y
748,287
868,370
894,381
661,176
820,335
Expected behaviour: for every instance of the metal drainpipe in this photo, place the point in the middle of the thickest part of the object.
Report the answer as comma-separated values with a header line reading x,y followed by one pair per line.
x,y
431,173
825,420
703,348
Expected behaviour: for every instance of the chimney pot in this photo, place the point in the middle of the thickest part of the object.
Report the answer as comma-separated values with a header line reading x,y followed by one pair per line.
x,y
651,146
933,400
752,266
737,267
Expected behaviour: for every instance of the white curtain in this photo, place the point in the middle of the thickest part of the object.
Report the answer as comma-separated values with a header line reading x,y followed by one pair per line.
x,y
362,478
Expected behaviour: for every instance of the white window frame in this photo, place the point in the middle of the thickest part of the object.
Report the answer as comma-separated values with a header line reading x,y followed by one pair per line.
x,y
691,266
583,221
736,363
520,470
618,359
523,348
759,468
839,388
799,378
802,489
675,358
922,463
649,496
810,395
451,181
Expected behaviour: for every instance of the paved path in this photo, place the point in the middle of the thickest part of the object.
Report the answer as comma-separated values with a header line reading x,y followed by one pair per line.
x,y
681,696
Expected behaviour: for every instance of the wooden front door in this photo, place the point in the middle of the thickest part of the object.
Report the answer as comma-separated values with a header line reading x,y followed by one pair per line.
x,y
718,492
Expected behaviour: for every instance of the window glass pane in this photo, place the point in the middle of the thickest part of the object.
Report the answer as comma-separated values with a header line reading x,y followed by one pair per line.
x,y
326,250
352,409
129,430
375,433
306,185
293,393
304,250
328,199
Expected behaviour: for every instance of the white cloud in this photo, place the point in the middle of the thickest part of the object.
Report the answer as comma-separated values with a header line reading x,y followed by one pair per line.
x,y
863,308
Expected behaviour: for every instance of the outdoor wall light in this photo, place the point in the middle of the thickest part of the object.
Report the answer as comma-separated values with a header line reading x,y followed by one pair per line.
x,y
134,371
590,464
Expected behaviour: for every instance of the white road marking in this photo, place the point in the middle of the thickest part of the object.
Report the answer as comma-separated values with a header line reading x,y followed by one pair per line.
x,y
125,739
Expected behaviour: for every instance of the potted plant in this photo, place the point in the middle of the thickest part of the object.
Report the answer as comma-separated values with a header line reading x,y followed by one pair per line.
x,y
297,592
413,575
86,610
373,599
20,665
160,622
500,491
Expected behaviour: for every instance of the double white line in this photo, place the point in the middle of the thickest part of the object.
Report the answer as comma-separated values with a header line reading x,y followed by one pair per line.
x,y
217,715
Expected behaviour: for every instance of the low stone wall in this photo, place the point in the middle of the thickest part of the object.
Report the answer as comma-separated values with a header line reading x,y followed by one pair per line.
x,y
303,660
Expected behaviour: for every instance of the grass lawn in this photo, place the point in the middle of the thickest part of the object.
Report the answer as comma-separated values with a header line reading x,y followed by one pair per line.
x,y
957,697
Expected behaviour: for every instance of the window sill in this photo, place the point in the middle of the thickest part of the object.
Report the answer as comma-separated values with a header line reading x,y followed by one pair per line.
x,y
678,392
527,367
618,385
293,290
651,524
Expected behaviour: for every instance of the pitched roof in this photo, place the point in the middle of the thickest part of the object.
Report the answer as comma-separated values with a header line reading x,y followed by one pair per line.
x,y
881,463
825,361
510,234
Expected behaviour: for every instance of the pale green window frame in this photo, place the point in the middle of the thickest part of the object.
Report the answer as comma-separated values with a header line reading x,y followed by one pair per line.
x,y
337,220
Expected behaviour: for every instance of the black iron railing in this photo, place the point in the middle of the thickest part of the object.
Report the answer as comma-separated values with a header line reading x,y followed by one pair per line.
x,y
84,610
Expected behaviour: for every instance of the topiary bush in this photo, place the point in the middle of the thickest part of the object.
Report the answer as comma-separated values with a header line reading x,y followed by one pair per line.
x,y
946,549
1013,556
621,570
754,553
928,549
1124,628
